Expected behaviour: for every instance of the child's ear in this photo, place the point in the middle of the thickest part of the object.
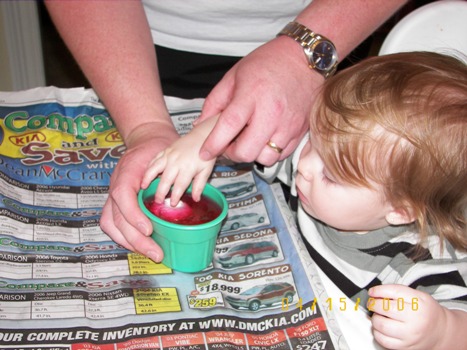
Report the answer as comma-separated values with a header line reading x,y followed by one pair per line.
x,y
400,216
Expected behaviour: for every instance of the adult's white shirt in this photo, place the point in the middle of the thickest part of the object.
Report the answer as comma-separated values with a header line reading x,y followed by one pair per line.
x,y
219,27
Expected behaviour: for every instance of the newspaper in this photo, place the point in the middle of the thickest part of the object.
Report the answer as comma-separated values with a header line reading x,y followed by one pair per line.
x,y
65,285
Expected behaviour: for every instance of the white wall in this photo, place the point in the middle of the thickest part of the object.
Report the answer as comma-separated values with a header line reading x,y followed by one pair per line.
x,y
21,62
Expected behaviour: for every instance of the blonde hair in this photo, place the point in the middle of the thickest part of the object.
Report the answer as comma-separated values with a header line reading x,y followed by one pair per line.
x,y
401,121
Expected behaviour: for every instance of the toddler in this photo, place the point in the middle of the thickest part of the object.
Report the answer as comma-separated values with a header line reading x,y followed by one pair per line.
x,y
382,187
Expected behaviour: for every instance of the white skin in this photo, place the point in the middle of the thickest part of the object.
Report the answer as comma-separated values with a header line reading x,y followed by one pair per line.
x,y
350,208
322,197
428,325
431,326
180,165
114,48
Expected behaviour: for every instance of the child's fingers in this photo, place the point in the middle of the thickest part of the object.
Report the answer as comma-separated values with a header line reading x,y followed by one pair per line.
x,y
148,177
392,291
166,181
397,302
180,185
384,334
400,309
199,182
388,327
155,167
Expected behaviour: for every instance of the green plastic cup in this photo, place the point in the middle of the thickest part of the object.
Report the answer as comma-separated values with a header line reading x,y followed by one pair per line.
x,y
187,248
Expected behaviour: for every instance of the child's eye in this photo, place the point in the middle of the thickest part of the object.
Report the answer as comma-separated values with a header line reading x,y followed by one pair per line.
x,y
328,179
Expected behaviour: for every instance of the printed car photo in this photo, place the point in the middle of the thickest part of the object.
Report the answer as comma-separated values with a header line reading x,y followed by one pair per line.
x,y
248,253
258,296
234,222
235,189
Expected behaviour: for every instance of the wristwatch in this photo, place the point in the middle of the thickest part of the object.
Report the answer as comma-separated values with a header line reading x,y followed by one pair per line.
x,y
319,50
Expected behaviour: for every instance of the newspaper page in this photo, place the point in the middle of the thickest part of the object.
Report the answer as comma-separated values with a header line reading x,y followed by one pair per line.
x,y
65,285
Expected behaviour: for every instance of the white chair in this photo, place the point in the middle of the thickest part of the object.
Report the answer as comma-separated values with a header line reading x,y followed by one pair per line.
x,y
439,26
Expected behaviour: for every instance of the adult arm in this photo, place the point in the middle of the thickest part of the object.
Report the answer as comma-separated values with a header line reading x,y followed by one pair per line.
x,y
268,95
111,42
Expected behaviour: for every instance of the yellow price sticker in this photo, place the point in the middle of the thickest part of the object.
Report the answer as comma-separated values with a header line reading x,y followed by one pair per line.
x,y
156,300
141,265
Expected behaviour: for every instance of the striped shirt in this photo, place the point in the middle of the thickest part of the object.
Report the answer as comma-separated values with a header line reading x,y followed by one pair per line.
x,y
349,264
355,262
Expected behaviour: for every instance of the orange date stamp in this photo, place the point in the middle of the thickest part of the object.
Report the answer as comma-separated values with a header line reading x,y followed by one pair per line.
x,y
345,304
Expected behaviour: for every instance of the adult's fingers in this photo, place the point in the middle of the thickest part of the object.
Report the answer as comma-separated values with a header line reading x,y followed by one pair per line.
x,y
230,123
142,244
218,98
107,225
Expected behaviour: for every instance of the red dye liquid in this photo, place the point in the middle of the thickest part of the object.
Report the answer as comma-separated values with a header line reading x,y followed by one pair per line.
x,y
187,212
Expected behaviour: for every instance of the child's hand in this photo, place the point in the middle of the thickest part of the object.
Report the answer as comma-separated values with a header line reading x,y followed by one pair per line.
x,y
180,165
406,318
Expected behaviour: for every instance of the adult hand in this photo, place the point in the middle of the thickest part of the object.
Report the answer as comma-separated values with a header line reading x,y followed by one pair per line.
x,y
266,96
121,218
114,48
406,318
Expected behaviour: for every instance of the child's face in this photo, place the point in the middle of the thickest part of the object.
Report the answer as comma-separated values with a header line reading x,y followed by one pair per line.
x,y
340,205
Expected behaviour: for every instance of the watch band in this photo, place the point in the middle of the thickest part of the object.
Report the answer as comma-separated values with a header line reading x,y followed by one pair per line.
x,y
308,40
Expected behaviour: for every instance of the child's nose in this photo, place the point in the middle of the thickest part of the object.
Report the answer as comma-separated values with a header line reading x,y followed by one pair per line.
x,y
307,163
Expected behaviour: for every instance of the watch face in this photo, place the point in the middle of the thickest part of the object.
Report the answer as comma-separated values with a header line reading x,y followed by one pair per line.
x,y
324,55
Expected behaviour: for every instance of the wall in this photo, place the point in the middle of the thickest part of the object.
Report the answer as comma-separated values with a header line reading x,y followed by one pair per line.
x,y
21,62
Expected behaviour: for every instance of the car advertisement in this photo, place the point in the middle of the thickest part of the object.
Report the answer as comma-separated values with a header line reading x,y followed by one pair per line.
x,y
65,285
